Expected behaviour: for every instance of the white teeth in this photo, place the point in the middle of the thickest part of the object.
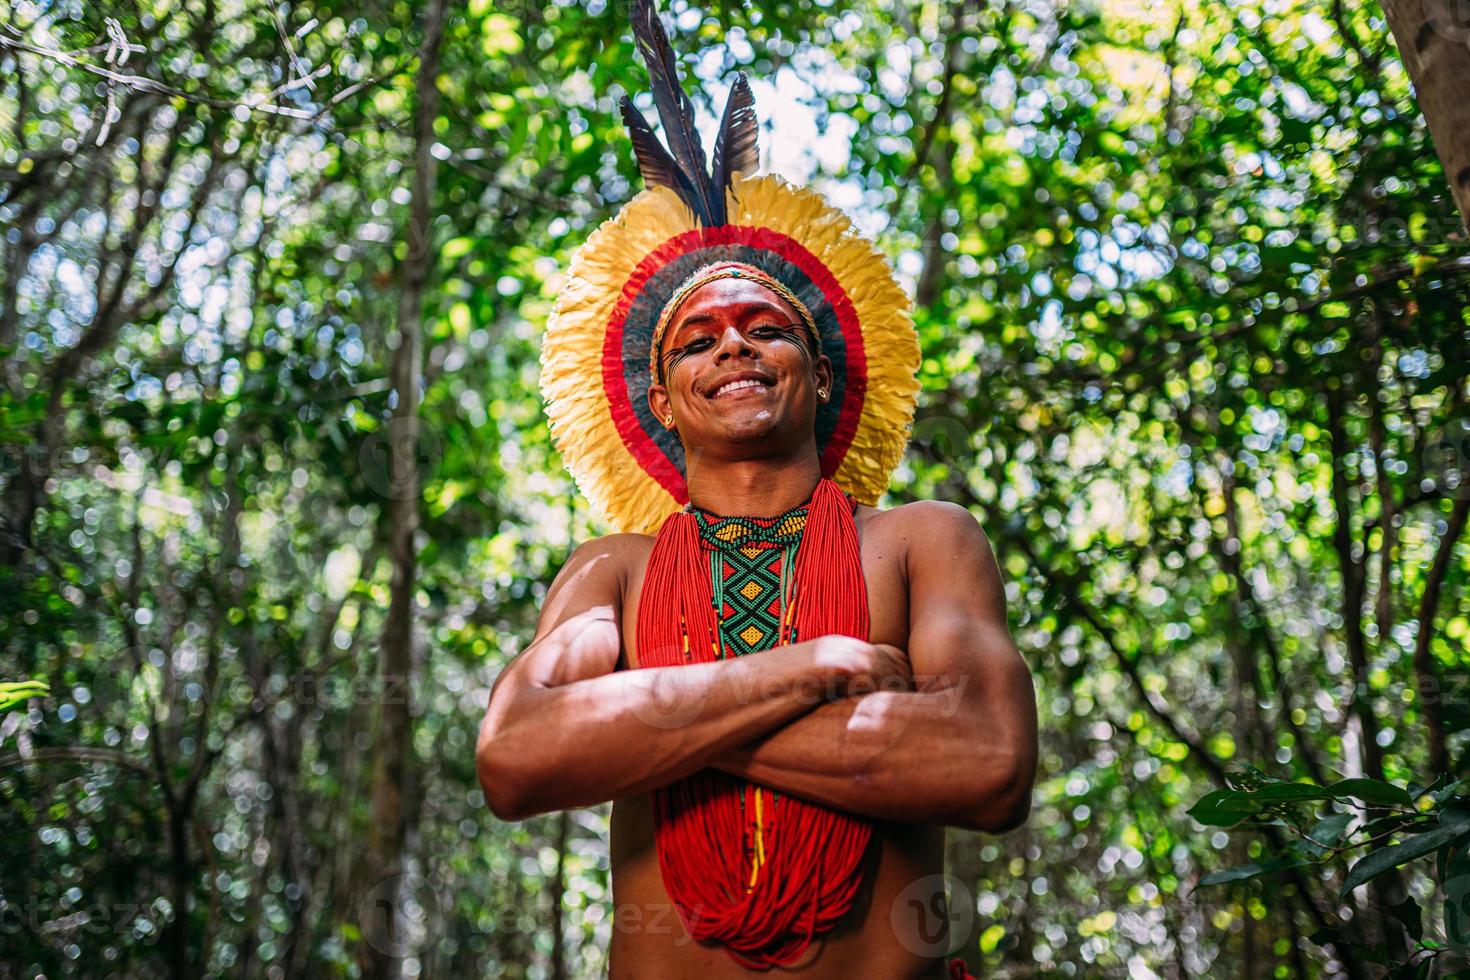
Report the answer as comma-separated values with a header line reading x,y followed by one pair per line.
x,y
736,386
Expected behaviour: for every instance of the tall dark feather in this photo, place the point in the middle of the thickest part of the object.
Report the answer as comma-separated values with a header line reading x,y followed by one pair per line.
x,y
654,162
675,110
735,147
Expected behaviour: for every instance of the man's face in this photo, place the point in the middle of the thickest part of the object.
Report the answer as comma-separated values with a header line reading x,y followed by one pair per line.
x,y
739,371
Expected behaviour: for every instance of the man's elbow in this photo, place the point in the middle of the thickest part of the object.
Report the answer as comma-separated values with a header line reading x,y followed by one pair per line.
x,y
1003,816
1002,805
504,787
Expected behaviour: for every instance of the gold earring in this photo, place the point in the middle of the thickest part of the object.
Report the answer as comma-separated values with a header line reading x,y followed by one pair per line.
x,y
821,392
669,420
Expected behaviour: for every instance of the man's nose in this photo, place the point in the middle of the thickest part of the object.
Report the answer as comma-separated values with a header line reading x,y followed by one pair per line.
x,y
733,343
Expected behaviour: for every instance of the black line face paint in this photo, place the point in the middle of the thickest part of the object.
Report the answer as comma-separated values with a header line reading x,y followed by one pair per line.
x,y
794,333
672,358
803,343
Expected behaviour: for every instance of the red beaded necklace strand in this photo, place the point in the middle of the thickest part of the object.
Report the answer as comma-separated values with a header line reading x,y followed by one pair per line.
x,y
764,903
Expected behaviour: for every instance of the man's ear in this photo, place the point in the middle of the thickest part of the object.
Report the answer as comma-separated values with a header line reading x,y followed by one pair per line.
x,y
823,369
658,403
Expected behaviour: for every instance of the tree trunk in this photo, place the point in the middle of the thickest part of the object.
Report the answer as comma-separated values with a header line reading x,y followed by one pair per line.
x,y
384,927
1425,670
558,894
1353,590
176,933
1433,44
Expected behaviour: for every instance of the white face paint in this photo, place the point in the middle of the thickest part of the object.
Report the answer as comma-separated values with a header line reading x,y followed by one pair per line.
x,y
763,414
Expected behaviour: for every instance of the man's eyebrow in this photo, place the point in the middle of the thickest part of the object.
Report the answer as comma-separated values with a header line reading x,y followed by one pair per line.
x,y
755,306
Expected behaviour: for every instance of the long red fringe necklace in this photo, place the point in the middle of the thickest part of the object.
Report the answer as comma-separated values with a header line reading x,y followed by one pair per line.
x,y
760,873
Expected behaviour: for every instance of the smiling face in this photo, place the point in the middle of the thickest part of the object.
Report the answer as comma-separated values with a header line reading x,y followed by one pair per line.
x,y
739,373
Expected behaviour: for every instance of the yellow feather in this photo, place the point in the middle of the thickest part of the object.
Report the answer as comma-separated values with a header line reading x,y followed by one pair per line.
x,y
582,427
890,344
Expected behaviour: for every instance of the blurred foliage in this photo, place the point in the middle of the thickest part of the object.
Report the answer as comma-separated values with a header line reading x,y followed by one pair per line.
x,y
1192,299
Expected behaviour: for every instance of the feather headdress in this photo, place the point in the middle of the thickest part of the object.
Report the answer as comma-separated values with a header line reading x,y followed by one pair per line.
x,y
595,357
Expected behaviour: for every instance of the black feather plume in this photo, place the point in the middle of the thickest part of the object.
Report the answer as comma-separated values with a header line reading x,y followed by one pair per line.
x,y
735,147
675,110
658,168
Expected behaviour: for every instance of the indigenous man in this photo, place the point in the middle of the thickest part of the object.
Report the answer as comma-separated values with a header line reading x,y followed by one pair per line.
x,y
788,693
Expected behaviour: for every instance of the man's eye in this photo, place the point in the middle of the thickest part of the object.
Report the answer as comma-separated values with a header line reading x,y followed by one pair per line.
x,y
767,330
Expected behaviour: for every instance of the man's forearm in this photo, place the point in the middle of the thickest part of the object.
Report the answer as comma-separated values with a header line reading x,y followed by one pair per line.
x,y
627,732
889,755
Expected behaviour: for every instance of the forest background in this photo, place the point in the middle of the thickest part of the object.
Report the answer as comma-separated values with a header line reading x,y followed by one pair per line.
x,y
280,502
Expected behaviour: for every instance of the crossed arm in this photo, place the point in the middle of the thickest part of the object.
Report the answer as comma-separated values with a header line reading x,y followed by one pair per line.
x,y
565,729
961,748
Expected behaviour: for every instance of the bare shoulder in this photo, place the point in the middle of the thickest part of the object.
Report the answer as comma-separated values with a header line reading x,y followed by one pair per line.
x,y
925,512
621,552
595,575
924,526
939,545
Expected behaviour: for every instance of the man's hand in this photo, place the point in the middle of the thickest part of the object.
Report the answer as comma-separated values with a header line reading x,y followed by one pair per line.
x,y
864,667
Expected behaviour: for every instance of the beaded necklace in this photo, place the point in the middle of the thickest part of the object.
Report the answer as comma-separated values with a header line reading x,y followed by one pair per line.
x,y
751,560
750,566
761,873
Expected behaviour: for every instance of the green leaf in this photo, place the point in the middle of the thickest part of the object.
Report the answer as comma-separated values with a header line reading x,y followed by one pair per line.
x,y
1252,870
1292,791
14,692
1416,789
1394,821
1329,830
1370,791
1454,881
1385,859
1222,808
1456,818
1326,833
1439,796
